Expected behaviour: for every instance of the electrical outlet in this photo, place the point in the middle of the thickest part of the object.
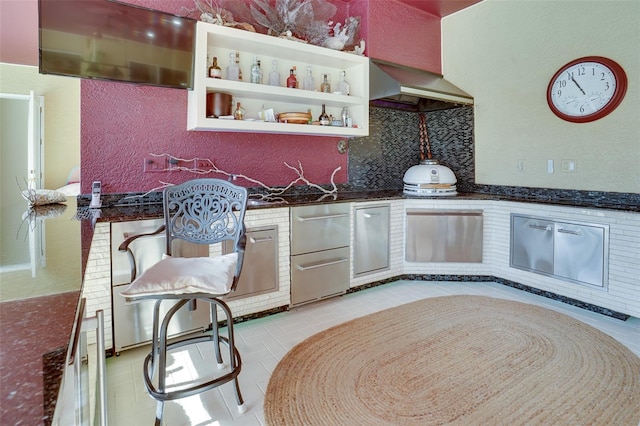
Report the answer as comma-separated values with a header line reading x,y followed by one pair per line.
x,y
569,166
154,165
522,165
202,164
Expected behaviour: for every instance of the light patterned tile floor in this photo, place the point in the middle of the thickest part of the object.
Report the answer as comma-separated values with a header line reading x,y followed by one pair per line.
x,y
263,342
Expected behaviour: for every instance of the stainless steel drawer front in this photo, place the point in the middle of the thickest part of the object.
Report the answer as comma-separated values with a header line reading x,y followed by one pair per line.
x,y
318,275
316,228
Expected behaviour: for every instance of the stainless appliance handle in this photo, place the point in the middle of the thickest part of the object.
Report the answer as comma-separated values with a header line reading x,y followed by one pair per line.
x,y
329,216
320,265
567,231
260,240
540,227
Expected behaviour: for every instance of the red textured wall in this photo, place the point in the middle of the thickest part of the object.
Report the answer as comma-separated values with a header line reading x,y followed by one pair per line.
x,y
403,34
121,124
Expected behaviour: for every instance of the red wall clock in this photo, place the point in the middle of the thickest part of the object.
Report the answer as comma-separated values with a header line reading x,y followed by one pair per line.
x,y
586,89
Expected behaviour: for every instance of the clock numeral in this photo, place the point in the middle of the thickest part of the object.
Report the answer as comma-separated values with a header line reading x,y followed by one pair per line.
x,y
559,93
582,71
606,86
562,83
602,77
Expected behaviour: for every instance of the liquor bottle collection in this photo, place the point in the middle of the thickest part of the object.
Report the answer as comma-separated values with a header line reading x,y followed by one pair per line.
x,y
233,72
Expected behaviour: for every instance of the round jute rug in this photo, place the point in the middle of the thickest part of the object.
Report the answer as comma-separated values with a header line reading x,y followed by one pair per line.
x,y
467,360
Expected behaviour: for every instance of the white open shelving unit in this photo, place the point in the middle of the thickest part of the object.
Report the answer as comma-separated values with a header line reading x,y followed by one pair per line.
x,y
215,40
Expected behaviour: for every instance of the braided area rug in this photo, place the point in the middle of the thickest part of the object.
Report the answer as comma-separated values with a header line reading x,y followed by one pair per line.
x,y
467,360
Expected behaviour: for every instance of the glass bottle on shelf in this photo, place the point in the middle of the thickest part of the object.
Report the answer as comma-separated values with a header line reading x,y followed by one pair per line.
x,y
238,66
346,117
274,75
308,83
326,85
295,74
255,71
292,81
232,69
238,113
214,69
343,86
324,118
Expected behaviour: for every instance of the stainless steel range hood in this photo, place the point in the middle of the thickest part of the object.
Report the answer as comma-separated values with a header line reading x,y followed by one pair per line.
x,y
396,86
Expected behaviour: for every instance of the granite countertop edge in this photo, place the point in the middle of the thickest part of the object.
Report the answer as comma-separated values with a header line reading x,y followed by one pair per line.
x,y
149,210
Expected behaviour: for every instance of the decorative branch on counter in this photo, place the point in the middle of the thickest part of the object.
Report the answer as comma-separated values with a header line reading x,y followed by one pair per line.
x,y
272,192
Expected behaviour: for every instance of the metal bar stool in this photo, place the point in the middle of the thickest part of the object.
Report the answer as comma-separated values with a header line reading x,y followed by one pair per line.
x,y
201,211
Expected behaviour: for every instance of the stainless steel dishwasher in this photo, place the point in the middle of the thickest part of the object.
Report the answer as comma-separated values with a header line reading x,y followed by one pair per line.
x,y
319,252
132,323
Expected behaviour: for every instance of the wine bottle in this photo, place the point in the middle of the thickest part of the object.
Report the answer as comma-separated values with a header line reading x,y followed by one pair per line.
x,y
214,69
292,81
324,118
325,86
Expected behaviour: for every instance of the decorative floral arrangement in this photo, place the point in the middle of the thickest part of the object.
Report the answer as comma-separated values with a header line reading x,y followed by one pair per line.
x,y
307,21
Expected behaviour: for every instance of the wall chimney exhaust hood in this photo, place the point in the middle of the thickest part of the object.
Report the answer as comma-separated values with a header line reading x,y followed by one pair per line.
x,y
399,87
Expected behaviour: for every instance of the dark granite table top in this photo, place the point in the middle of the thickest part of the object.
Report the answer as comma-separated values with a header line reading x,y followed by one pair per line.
x,y
41,278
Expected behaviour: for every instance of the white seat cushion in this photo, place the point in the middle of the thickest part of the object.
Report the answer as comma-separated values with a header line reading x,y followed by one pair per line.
x,y
185,275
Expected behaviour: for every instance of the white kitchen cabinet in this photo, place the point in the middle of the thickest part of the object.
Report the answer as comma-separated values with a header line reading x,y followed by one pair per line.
x,y
217,41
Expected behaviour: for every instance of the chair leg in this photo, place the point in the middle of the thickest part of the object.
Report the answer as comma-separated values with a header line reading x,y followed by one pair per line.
x,y
159,412
154,339
216,335
234,356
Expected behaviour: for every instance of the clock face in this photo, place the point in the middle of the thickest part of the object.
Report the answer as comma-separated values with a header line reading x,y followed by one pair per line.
x,y
586,89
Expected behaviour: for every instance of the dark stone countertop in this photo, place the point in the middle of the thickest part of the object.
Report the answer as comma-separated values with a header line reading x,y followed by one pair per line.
x,y
151,207
41,281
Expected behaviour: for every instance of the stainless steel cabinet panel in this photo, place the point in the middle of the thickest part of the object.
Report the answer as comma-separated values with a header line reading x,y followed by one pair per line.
x,y
321,227
371,239
260,266
532,244
572,251
132,323
580,253
443,236
319,274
